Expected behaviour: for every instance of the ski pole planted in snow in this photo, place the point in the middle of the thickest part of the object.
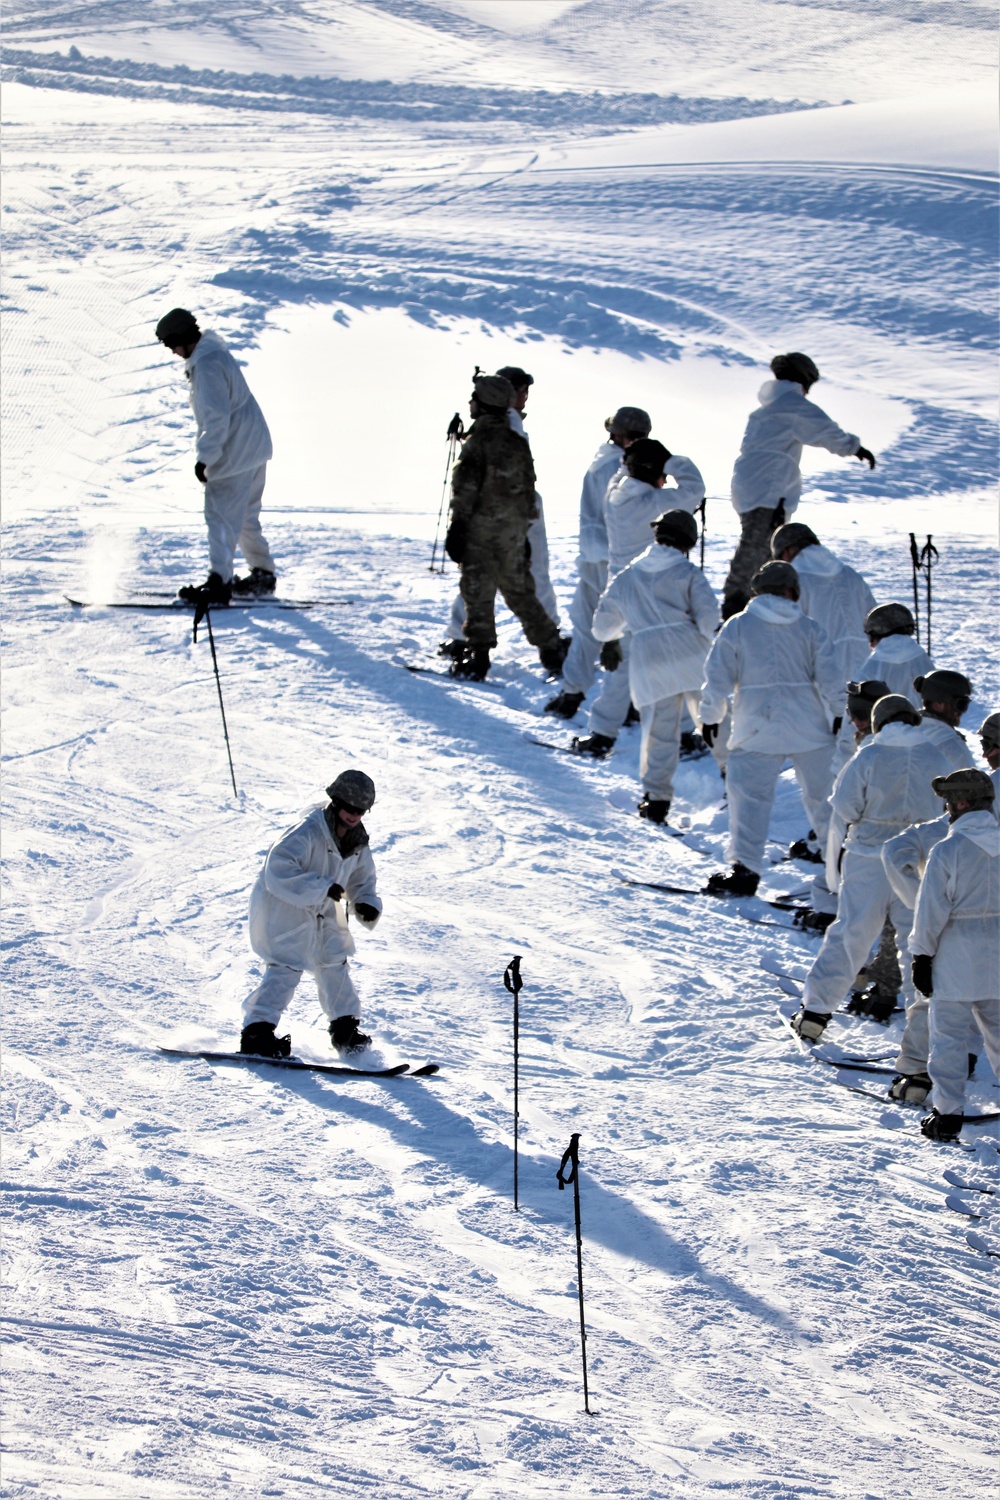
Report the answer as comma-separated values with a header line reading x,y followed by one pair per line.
x,y
204,613
571,1159
455,433
928,553
701,512
512,979
915,565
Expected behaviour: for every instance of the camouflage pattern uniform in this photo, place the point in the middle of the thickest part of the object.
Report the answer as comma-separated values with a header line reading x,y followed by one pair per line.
x,y
493,494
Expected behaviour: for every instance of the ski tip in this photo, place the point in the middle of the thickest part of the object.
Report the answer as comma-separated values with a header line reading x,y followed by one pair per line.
x,y
427,1071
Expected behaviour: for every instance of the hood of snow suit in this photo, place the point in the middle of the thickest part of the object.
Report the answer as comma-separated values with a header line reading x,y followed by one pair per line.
x,y
818,560
774,609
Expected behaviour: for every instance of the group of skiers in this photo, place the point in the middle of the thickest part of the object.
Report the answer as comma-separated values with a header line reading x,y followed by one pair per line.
x,y
800,664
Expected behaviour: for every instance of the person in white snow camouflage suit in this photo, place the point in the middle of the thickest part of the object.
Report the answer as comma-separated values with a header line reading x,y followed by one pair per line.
x,y
767,481
633,501
779,669
897,657
316,876
881,791
670,613
232,448
956,943
627,426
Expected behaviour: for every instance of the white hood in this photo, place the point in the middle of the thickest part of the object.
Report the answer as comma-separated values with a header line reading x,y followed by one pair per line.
x,y
774,609
818,560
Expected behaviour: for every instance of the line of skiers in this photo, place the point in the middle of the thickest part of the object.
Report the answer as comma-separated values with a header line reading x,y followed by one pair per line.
x,y
800,664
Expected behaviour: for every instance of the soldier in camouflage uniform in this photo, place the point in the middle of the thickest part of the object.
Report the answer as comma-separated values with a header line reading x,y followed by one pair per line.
x,y
492,506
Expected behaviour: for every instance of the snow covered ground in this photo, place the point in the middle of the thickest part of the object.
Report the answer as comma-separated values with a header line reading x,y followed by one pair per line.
x,y
221,1282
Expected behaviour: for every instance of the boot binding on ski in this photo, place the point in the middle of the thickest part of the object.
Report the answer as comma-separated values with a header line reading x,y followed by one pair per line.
x,y
258,1039
347,1036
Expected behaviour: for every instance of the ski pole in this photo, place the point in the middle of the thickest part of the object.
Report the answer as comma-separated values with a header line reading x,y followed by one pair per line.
x,y
928,553
915,563
513,981
571,1158
204,613
455,431
701,510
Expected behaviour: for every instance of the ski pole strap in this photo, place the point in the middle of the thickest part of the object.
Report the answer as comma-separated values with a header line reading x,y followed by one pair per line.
x,y
570,1159
512,975
914,552
927,551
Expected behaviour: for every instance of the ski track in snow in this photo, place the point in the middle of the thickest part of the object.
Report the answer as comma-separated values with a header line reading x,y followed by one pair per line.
x,y
224,1282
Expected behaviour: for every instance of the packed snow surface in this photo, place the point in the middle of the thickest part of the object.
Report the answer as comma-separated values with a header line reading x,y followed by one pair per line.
x,y
223,1280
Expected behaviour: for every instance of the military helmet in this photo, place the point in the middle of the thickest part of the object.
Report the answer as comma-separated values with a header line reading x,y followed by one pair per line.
x,y
675,528
177,327
989,732
889,619
794,534
798,367
493,392
645,459
630,421
862,696
967,785
518,378
775,578
893,709
352,789
944,685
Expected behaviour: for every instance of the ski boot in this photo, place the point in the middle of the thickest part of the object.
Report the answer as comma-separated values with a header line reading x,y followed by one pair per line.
x,y
552,657
693,747
346,1035
452,648
814,921
872,1003
473,664
809,1024
259,1040
565,705
653,811
738,882
212,594
597,745
807,849
260,583
941,1127
910,1088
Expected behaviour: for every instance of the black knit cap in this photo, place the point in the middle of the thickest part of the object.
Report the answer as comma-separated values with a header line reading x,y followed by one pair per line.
x,y
177,327
645,459
518,378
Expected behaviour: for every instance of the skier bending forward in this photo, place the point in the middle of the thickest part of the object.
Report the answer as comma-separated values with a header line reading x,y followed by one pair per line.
x,y
314,877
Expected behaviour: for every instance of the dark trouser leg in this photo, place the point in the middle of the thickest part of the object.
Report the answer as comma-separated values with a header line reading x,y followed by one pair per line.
x,y
478,585
495,558
884,967
752,551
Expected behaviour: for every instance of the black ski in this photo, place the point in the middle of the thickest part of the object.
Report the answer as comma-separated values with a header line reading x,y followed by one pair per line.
x,y
568,750
986,1118
841,1059
957,1180
295,1064
183,606
446,675
782,904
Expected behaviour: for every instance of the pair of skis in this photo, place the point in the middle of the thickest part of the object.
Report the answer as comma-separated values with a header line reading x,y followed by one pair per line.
x,y
297,1065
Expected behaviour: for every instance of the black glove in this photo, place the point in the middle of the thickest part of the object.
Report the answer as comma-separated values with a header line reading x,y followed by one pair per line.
x,y
336,892
455,540
199,472
710,733
611,656
922,974
866,457
838,721
365,912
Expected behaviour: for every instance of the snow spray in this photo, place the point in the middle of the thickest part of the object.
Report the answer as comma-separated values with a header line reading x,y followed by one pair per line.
x,y
204,613
571,1159
513,981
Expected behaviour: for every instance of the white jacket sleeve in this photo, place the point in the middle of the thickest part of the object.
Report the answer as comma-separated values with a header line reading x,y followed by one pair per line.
x,y
720,679
690,490
933,908
846,804
704,607
361,886
905,857
211,400
609,619
829,678
287,877
815,429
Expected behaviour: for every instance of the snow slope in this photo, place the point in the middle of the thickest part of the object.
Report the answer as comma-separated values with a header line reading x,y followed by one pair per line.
x,y
220,1282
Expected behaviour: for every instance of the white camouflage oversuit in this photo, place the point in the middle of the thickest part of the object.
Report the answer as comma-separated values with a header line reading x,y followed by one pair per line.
x,y
881,791
630,508
838,598
592,569
957,924
780,670
896,660
234,444
668,609
296,926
